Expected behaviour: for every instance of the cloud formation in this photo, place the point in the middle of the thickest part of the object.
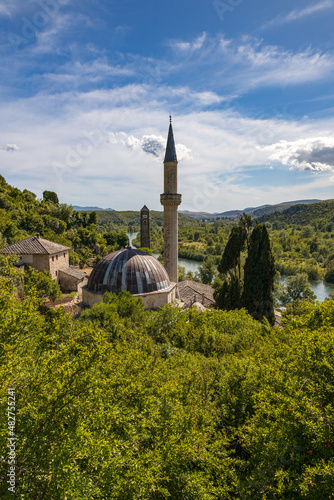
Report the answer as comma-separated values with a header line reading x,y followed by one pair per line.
x,y
151,144
314,154
297,14
9,147
247,63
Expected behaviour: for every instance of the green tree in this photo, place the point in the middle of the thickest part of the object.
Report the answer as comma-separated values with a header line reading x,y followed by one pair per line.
x,y
92,218
298,287
51,196
228,296
329,276
207,271
230,263
41,284
259,276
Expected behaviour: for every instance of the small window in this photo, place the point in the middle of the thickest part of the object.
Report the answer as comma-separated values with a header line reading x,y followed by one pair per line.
x,y
56,257
56,273
64,255
53,259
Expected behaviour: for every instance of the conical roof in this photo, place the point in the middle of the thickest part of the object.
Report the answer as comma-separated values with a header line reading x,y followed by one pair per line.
x,y
170,148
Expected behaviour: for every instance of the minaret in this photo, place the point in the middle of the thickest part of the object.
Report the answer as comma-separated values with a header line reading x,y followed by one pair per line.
x,y
145,227
170,201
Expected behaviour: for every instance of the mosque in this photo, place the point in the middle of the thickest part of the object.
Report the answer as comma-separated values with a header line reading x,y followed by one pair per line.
x,y
129,269
136,271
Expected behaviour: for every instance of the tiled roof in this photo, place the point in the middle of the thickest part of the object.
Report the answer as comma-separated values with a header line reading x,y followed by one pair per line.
x,y
132,270
72,271
192,291
34,245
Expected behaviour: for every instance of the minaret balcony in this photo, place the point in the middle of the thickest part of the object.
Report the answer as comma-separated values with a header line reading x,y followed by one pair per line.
x,y
170,199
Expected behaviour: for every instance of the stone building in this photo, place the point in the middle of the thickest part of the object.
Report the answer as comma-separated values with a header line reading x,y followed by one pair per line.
x,y
141,274
45,255
71,279
40,254
191,292
133,271
145,240
136,271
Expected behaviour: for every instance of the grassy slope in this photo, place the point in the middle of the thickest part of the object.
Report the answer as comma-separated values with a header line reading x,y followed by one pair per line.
x,y
303,214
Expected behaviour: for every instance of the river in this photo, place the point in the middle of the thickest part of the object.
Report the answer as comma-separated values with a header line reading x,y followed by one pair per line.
x,y
320,288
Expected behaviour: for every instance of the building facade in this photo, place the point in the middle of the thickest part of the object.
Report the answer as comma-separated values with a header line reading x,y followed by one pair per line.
x,y
145,239
40,254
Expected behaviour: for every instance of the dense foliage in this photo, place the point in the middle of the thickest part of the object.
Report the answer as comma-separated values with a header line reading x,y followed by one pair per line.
x,y
299,244
127,404
259,276
22,215
130,220
250,285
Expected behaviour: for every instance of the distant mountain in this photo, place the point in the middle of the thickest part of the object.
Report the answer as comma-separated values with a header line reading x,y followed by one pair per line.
x,y
320,213
197,215
254,211
92,209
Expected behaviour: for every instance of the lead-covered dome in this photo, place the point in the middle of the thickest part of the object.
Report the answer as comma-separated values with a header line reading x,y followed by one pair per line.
x,y
131,270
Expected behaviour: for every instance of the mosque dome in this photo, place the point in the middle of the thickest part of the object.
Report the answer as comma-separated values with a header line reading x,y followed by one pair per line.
x,y
131,270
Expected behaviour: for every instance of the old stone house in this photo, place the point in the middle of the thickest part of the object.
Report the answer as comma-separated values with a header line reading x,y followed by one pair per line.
x,y
45,255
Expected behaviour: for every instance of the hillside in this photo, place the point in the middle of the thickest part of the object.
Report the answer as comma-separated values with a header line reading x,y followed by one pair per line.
x,y
253,211
91,209
132,218
319,213
23,215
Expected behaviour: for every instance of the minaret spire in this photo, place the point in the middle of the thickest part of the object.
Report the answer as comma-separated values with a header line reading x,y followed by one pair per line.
x,y
170,148
170,200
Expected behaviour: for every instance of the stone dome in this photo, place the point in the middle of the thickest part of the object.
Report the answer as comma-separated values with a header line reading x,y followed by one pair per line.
x,y
131,270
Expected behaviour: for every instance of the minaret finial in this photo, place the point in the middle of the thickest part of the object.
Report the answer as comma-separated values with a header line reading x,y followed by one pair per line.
x,y
170,118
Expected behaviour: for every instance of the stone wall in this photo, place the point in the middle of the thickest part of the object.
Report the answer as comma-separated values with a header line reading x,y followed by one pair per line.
x,y
68,283
26,259
90,298
152,300
41,262
58,261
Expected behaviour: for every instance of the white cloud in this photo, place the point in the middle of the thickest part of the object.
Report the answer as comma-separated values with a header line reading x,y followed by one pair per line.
x,y
248,63
192,46
297,14
315,153
151,144
105,148
9,147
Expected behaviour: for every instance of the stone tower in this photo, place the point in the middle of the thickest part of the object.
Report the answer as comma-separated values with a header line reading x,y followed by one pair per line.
x,y
145,227
170,201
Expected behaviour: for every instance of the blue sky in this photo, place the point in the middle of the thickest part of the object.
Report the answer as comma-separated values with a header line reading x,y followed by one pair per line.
x,y
86,89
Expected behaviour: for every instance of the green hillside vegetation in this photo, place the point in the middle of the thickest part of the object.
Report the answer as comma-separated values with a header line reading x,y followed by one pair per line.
x,y
195,242
22,215
129,220
297,248
127,404
319,215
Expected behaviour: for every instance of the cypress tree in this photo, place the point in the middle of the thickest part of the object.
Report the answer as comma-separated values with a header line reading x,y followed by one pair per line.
x,y
230,261
229,296
259,274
